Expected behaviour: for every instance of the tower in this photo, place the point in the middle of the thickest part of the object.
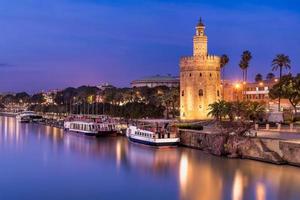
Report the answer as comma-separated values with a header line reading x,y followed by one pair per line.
x,y
200,40
199,79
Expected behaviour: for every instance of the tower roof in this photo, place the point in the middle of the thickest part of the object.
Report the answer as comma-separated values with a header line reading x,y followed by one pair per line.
x,y
200,23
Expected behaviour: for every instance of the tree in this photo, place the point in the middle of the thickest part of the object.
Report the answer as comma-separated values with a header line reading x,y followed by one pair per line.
x,y
280,62
22,97
270,76
218,110
255,111
258,78
288,87
224,62
239,110
244,64
37,98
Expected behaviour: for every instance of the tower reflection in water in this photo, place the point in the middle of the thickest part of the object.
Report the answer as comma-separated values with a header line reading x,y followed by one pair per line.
x,y
191,173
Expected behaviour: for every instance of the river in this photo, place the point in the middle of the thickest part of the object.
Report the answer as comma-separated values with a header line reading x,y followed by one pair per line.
x,y
42,162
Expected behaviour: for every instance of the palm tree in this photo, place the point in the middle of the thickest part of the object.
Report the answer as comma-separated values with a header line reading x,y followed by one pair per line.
x,y
270,76
224,62
281,62
218,110
239,109
244,63
255,110
258,78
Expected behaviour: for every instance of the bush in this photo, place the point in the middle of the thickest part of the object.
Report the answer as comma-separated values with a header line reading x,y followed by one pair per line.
x,y
197,127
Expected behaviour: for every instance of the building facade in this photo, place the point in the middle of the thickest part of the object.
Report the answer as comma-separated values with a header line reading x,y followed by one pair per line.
x,y
200,83
154,81
254,92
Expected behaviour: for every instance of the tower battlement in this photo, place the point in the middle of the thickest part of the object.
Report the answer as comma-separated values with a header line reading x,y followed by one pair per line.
x,y
200,57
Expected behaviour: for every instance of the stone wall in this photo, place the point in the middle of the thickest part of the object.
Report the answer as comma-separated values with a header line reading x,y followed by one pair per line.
x,y
263,149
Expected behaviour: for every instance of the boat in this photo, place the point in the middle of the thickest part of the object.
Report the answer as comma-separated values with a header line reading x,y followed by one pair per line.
x,y
153,135
29,116
88,126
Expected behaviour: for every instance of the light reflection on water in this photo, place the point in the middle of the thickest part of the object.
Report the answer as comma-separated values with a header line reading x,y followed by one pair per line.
x,y
41,162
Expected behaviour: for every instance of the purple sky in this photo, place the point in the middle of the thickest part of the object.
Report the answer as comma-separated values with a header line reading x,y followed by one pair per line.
x,y
47,44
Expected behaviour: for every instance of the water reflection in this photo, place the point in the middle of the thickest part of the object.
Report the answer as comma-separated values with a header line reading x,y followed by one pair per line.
x,y
185,173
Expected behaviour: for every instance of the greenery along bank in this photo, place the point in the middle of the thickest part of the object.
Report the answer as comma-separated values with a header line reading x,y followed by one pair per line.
x,y
120,102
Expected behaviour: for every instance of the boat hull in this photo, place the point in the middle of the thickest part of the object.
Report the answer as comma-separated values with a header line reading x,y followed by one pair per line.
x,y
154,144
97,134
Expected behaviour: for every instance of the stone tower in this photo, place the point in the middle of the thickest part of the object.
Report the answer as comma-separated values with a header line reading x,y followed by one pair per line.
x,y
199,79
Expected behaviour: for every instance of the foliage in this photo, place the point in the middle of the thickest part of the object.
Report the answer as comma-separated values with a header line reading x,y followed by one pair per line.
x,y
258,78
37,98
270,76
238,110
281,62
120,102
255,111
224,60
198,127
218,110
288,87
244,63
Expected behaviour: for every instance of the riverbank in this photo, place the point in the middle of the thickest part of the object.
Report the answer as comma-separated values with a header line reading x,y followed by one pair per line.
x,y
271,150
49,120
267,149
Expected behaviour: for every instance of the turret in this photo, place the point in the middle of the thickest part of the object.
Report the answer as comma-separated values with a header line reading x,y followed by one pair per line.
x,y
200,40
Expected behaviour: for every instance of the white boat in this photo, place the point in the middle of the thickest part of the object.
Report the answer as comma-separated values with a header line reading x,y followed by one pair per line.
x,y
29,116
90,128
153,135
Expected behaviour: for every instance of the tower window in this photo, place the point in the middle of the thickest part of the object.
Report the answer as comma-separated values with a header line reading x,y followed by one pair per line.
x,y
182,93
200,74
190,74
210,74
218,93
200,93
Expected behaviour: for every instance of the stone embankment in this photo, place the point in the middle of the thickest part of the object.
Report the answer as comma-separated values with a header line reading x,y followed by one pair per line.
x,y
264,149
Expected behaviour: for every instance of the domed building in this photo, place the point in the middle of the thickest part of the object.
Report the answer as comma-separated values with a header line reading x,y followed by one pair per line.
x,y
158,80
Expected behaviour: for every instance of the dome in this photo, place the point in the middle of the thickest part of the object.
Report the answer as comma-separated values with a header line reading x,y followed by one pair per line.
x,y
200,23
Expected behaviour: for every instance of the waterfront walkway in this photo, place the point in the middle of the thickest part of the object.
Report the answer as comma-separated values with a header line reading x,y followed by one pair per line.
x,y
283,135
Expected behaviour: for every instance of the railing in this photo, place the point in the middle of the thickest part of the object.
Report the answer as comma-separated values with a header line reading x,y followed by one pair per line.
x,y
279,127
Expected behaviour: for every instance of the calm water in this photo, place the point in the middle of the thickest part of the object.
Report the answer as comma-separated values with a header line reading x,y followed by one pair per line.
x,y
40,162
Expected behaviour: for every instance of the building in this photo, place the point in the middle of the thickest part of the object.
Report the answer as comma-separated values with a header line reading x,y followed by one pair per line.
x,y
255,92
259,91
154,81
105,86
200,83
231,91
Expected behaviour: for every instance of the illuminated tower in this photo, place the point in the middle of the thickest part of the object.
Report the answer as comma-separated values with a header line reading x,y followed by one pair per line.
x,y
199,79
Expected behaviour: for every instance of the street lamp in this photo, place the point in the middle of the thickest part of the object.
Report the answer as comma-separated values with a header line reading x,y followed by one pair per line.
x,y
237,86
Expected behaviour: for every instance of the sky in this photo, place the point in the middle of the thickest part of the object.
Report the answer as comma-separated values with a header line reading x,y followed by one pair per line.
x,y
51,44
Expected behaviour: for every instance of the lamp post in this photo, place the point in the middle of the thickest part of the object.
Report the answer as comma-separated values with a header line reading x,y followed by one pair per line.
x,y
237,87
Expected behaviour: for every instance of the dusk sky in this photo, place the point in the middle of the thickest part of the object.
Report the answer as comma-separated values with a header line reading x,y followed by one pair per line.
x,y
48,44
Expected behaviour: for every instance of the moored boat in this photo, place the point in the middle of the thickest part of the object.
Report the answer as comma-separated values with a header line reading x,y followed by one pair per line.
x,y
94,127
153,135
29,116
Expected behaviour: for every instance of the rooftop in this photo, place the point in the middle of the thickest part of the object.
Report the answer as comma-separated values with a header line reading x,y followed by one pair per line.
x,y
158,78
